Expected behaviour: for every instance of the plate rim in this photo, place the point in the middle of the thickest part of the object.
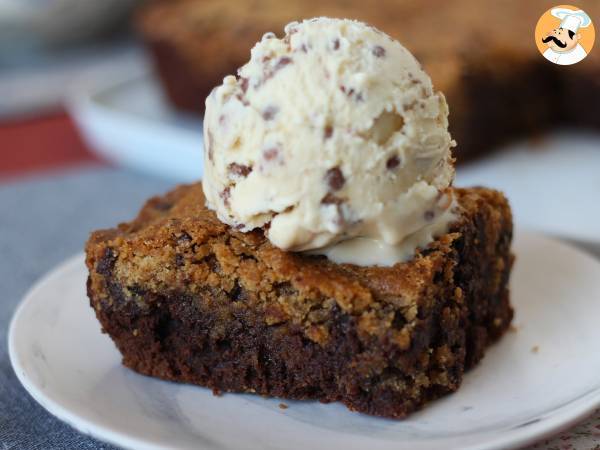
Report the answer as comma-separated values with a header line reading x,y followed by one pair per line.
x,y
548,424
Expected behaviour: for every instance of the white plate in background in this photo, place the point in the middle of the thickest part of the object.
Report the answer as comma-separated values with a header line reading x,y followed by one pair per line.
x,y
130,123
534,382
553,185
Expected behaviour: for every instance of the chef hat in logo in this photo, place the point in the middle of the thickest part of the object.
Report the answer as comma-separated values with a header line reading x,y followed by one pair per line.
x,y
571,19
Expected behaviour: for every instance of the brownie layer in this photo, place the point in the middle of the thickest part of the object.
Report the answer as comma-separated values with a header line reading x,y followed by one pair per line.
x,y
186,298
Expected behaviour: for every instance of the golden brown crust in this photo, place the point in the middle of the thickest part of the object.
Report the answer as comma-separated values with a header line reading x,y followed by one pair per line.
x,y
158,238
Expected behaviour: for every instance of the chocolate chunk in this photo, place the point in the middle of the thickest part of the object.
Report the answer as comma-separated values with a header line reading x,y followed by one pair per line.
x,y
283,61
107,262
239,169
328,131
331,199
429,215
209,144
378,51
336,44
270,154
244,84
335,179
270,112
184,238
348,92
241,98
225,194
393,162
268,74
179,260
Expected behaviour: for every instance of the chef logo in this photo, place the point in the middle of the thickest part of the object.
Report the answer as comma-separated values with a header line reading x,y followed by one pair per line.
x,y
564,35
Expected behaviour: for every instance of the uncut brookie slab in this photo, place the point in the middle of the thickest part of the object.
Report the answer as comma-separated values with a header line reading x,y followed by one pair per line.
x,y
187,298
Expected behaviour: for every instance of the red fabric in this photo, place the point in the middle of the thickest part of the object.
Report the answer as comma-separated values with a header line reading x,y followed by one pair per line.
x,y
40,144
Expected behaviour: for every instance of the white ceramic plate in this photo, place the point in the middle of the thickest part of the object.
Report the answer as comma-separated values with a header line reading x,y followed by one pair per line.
x,y
131,123
553,185
516,395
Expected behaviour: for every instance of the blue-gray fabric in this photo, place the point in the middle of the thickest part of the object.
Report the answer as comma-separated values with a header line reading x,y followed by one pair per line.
x,y
42,222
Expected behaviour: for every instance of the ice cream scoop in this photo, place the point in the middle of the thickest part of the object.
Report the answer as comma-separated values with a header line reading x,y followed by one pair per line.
x,y
330,136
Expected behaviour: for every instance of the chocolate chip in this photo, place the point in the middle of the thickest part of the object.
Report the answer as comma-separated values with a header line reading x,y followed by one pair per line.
x,y
347,91
328,131
239,169
270,154
244,84
331,199
429,215
241,98
184,237
268,74
179,260
335,179
283,61
270,112
393,162
225,194
378,51
107,262
336,44
209,144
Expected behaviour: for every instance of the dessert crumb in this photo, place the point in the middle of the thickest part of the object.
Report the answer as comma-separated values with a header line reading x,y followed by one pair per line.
x,y
283,406
535,349
513,329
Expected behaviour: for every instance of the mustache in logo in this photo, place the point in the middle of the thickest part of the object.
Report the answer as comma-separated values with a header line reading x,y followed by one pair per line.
x,y
555,40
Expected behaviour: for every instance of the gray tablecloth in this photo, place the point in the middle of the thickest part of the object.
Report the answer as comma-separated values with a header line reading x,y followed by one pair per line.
x,y
44,221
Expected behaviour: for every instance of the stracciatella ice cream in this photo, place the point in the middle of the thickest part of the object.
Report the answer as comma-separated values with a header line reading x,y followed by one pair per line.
x,y
333,141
